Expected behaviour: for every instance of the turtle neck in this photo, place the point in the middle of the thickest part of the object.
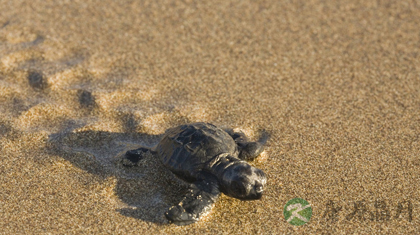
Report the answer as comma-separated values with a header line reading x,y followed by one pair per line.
x,y
218,165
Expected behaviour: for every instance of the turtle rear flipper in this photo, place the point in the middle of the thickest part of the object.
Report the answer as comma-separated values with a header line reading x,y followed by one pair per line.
x,y
196,202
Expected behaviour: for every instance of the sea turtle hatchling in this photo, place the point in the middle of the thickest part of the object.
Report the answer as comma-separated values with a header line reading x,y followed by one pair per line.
x,y
212,160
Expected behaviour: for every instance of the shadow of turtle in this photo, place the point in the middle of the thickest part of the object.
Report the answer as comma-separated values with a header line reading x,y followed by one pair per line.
x,y
146,191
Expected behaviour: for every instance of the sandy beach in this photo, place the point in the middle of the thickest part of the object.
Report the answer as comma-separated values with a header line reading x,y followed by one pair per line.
x,y
336,85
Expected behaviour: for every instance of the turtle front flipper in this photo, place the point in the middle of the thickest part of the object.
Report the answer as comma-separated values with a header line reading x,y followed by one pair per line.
x,y
248,150
196,202
132,157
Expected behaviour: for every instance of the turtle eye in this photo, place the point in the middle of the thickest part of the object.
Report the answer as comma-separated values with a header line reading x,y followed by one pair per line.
x,y
237,188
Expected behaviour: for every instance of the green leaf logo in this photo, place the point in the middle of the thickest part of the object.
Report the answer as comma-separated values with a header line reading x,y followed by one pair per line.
x,y
297,211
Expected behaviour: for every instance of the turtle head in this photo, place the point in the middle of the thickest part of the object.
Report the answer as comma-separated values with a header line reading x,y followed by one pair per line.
x,y
242,181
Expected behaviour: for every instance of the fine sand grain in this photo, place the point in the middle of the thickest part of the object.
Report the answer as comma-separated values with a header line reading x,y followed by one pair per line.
x,y
336,84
